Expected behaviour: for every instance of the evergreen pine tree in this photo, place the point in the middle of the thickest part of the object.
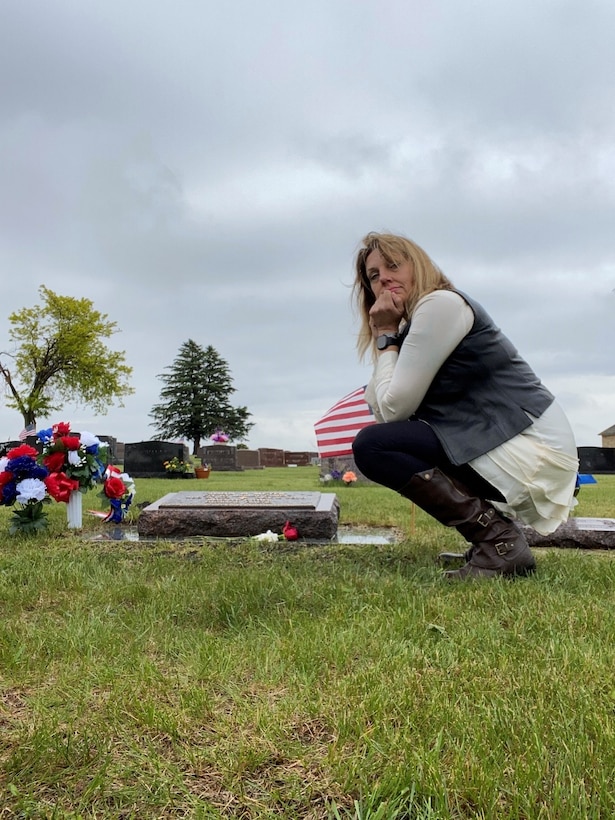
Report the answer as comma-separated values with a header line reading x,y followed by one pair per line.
x,y
195,398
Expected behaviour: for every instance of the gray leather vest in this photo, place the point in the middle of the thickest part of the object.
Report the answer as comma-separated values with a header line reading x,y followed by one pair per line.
x,y
483,392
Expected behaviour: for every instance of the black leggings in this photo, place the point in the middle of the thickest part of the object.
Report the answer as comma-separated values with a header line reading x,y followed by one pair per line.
x,y
391,453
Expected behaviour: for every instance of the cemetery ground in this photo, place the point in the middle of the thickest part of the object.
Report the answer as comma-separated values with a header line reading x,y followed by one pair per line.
x,y
214,679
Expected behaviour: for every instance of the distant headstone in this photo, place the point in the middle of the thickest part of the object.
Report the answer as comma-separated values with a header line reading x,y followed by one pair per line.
x,y
580,533
271,457
112,448
5,446
119,452
599,460
237,514
300,458
342,464
221,457
145,459
249,459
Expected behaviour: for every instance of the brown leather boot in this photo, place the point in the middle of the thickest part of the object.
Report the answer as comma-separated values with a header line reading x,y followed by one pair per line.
x,y
498,547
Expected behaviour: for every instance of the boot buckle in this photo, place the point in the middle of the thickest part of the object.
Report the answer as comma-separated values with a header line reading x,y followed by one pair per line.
x,y
484,519
501,547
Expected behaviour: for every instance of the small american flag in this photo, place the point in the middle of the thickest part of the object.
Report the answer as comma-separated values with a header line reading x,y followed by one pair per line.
x,y
337,429
28,430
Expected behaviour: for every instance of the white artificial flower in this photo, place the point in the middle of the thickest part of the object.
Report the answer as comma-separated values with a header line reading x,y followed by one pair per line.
x,y
128,482
3,462
267,537
30,489
89,439
74,458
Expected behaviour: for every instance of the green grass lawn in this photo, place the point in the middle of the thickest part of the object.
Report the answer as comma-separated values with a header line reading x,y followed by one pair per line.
x,y
213,679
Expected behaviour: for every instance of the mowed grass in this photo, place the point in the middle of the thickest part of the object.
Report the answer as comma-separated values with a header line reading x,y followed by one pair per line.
x,y
225,679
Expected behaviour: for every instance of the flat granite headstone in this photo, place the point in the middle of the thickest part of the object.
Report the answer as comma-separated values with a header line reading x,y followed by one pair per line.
x,y
240,514
580,533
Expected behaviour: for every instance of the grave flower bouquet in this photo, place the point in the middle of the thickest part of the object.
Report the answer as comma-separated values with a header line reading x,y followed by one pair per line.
x,y
74,462
346,477
220,437
176,465
23,481
118,491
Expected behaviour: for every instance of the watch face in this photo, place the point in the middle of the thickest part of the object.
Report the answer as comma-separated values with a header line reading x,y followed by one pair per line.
x,y
382,342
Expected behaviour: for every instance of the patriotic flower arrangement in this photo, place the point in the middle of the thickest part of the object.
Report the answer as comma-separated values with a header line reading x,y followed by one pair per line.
x,y
74,462
24,481
118,491
220,437
67,464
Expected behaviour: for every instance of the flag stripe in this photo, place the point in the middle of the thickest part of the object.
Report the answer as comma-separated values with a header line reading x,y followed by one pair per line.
x,y
337,429
28,430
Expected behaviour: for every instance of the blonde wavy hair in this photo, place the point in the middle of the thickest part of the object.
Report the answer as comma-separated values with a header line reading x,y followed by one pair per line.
x,y
395,250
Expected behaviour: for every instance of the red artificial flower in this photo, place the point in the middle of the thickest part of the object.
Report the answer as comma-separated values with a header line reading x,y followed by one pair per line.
x,y
289,532
61,429
22,450
71,442
55,461
60,486
114,487
5,477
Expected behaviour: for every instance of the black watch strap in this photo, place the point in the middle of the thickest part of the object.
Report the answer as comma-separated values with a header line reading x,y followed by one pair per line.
x,y
384,341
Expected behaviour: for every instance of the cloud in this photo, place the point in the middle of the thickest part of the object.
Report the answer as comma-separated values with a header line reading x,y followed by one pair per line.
x,y
207,172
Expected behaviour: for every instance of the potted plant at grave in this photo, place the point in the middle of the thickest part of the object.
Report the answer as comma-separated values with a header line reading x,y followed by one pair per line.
x,y
202,470
176,468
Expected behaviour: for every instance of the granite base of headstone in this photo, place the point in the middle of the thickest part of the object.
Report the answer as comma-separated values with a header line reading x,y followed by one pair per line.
x,y
241,514
221,458
577,533
145,459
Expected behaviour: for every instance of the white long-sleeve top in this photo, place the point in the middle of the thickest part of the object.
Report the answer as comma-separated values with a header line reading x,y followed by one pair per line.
x,y
535,470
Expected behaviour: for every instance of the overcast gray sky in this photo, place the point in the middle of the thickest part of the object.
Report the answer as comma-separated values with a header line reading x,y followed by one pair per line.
x,y
207,171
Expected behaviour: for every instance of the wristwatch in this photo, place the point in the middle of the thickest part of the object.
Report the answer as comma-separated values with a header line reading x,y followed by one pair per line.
x,y
384,341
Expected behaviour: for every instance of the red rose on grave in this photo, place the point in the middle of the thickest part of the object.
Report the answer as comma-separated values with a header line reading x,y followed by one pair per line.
x,y
289,532
71,442
22,450
114,487
61,429
54,461
60,486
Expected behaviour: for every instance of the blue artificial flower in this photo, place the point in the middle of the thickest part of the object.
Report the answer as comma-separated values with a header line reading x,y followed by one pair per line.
x,y
23,467
45,436
8,493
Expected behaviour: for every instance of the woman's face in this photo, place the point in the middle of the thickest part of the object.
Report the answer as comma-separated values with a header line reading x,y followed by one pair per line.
x,y
385,276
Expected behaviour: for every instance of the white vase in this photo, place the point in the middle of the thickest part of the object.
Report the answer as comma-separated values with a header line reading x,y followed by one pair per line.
x,y
74,510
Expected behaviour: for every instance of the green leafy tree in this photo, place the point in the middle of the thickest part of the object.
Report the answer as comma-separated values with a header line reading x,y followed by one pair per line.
x,y
195,398
60,357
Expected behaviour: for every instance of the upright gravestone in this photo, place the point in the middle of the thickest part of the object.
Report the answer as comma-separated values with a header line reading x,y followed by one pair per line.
x,y
341,464
241,514
271,457
600,460
145,459
249,459
300,458
221,457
